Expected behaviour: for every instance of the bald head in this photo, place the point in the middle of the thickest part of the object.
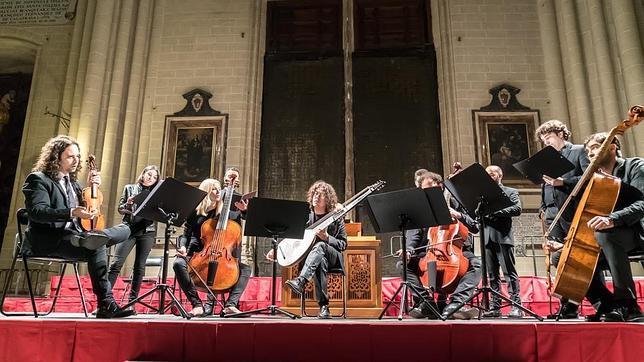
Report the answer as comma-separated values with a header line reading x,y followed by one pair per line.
x,y
495,173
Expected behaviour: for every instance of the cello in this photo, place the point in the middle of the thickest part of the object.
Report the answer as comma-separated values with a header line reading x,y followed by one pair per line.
x,y
445,250
93,198
216,263
580,252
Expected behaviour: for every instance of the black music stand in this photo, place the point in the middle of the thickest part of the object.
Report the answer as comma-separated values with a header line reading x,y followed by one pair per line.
x,y
475,190
403,210
547,161
170,202
274,219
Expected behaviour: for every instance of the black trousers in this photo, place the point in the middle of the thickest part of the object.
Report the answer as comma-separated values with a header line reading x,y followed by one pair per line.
x,y
144,241
502,255
560,230
466,285
615,244
96,259
316,265
413,272
182,276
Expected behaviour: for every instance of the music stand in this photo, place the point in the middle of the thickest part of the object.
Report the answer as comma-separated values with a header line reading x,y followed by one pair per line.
x,y
475,190
273,218
403,210
547,161
170,202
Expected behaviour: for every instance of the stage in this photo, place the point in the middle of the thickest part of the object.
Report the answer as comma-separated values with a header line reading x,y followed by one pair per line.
x,y
65,337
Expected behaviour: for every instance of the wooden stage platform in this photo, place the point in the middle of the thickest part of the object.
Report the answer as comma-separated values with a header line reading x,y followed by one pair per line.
x,y
67,337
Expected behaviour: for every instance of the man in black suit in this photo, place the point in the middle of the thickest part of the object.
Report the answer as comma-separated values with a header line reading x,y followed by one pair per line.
x,y
52,198
617,233
499,248
554,193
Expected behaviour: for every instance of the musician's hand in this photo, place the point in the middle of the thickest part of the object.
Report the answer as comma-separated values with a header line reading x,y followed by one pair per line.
x,y
398,253
270,256
322,234
182,251
82,213
553,181
552,245
95,178
600,223
455,214
130,200
242,205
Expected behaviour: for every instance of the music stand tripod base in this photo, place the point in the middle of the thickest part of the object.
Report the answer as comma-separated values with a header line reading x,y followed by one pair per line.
x,y
274,218
170,202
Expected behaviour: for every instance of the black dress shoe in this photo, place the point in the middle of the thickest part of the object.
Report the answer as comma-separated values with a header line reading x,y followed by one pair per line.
x,y
616,315
297,284
89,240
515,313
494,313
567,311
207,309
324,312
112,310
449,309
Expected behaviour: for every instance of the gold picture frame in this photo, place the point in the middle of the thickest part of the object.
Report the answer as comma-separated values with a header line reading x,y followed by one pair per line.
x,y
503,138
194,148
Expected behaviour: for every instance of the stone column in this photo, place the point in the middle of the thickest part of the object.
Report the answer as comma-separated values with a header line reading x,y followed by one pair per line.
x,y
347,48
631,57
552,60
574,70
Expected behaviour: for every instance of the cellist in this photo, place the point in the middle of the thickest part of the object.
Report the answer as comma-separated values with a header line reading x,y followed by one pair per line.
x,y
416,242
190,242
617,234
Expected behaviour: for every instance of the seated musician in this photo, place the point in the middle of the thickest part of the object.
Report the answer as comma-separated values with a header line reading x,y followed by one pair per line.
x,y
416,248
52,199
190,243
499,248
327,249
617,234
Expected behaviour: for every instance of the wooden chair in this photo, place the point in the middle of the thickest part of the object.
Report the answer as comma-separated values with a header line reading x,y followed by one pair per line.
x,y
344,295
20,253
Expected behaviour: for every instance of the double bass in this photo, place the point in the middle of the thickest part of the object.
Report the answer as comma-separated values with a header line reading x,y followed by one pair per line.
x,y
216,264
93,199
445,250
580,252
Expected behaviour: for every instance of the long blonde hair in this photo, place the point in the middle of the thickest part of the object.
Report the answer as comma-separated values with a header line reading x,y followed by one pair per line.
x,y
208,185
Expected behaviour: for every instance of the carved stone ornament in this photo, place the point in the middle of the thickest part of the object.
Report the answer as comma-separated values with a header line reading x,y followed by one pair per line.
x,y
197,104
504,99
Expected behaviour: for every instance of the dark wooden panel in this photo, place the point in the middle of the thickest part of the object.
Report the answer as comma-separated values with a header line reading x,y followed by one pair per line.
x,y
386,24
304,26
397,123
302,137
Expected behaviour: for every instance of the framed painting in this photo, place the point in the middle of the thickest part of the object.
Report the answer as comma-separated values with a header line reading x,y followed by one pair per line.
x,y
503,138
194,148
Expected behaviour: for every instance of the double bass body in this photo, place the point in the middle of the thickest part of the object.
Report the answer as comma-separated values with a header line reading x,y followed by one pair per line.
x,y
581,252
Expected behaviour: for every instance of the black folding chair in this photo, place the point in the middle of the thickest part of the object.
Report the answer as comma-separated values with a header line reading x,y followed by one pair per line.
x,y
20,253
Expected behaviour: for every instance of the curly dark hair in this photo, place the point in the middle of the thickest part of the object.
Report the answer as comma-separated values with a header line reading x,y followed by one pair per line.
x,y
326,190
552,126
47,162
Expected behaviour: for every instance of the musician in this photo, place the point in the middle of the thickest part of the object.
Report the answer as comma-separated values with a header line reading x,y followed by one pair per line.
x,y
617,234
190,242
554,193
327,248
499,248
416,249
144,239
53,204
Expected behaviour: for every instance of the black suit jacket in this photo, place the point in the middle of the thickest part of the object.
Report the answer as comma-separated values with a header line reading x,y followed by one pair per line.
x,y
498,225
629,209
556,196
48,210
